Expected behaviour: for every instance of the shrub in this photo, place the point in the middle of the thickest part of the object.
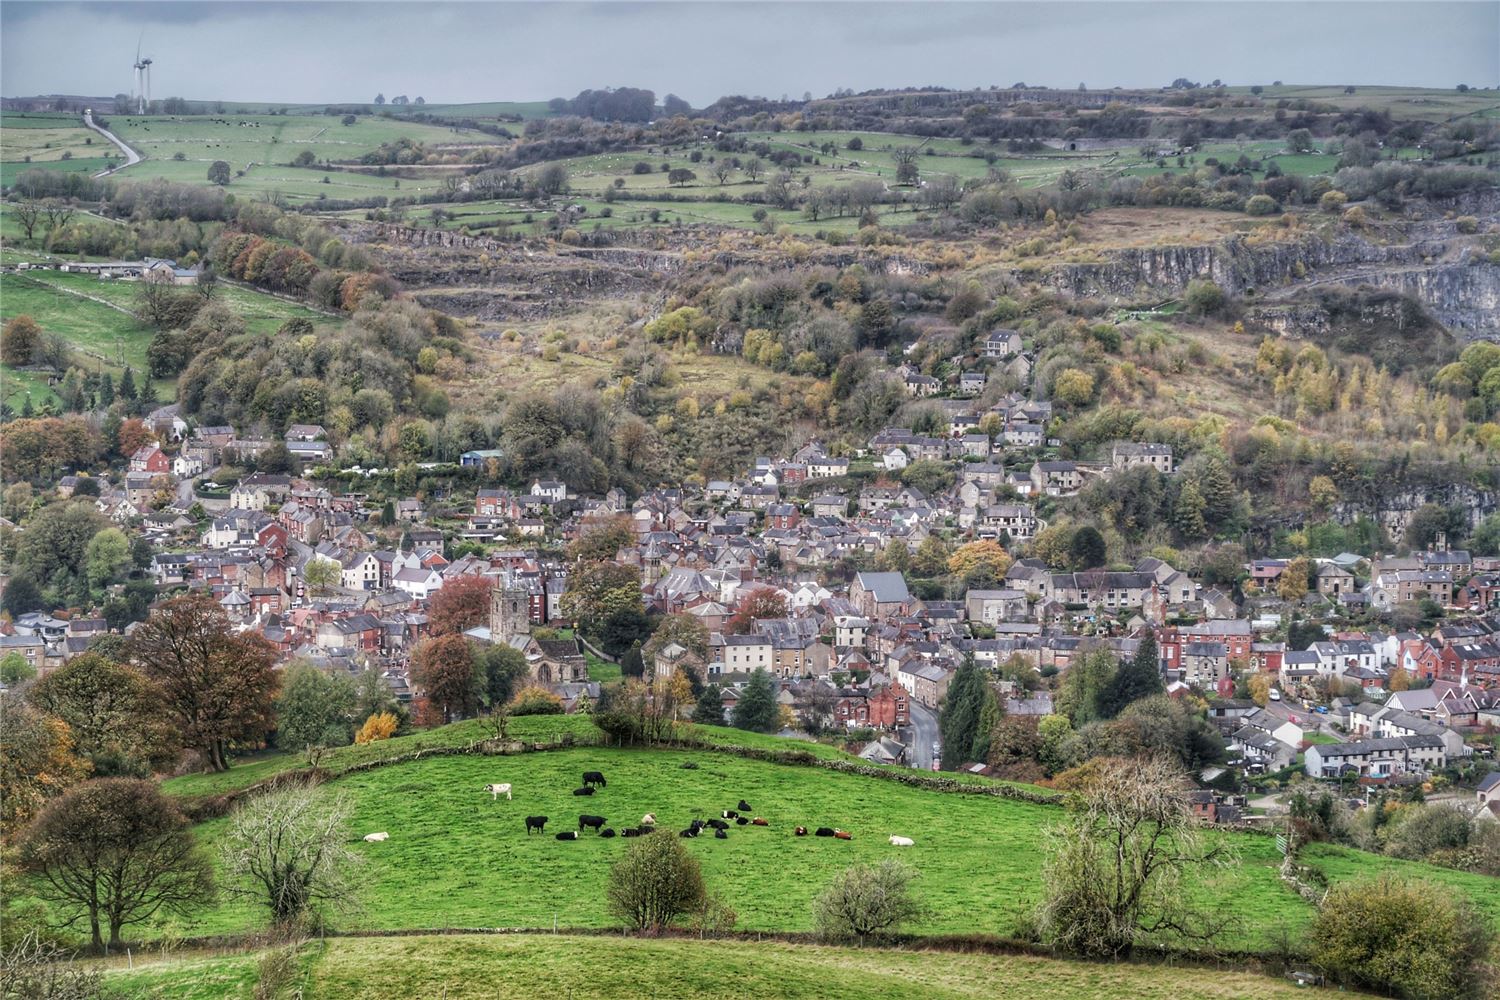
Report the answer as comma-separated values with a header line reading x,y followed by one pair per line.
x,y
867,901
1466,224
1410,938
536,701
380,726
1204,297
1261,204
655,882
1333,201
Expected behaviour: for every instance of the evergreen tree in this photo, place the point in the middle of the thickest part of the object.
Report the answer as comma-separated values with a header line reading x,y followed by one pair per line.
x,y
959,719
757,710
1087,686
710,708
632,664
1138,678
388,514
1218,493
127,386
27,410
990,715
1187,516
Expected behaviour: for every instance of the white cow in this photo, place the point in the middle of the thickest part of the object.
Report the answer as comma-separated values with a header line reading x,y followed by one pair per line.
x,y
901,841
498,790
375,838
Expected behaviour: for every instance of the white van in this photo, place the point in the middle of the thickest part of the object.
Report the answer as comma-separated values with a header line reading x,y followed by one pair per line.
x,y
1275,694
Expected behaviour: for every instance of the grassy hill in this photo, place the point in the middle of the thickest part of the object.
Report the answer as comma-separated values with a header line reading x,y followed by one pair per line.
x,y
472,967
455,858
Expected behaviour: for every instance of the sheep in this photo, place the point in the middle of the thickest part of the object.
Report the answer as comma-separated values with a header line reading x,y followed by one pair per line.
x,y
901,841
375,838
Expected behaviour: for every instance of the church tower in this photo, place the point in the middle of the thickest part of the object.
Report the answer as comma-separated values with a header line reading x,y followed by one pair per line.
x,y
510,611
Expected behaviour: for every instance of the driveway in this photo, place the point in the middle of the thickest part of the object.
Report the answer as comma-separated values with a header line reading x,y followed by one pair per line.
x,y
924,733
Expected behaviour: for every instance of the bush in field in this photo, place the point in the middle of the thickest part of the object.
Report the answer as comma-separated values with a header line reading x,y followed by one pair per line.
x,y
867,901
380,726
655,882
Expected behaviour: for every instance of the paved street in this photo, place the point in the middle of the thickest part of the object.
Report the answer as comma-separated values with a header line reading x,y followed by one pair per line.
x,y
923,734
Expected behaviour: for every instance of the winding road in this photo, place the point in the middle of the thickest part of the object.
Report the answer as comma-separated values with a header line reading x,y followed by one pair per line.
x,y
131,156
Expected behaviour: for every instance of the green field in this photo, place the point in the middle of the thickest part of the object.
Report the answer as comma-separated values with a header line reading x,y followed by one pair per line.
x,y
978,855
264,146
523,967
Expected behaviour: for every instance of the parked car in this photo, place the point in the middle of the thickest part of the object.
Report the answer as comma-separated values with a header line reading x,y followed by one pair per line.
x,y
1275,694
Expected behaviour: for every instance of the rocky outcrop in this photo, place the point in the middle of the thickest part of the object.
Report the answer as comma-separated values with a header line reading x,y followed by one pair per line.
x,y
1394,509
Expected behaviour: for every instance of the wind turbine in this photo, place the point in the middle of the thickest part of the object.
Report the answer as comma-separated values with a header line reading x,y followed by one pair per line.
x,y
142,80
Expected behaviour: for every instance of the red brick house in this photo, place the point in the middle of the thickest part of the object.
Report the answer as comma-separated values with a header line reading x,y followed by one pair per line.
x,y
888,707
149,458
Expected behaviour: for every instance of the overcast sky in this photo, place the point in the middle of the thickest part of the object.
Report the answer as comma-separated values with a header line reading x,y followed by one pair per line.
x,y
454,52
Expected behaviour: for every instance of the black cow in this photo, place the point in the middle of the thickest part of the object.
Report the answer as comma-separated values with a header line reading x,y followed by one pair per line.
x,y
744,807
697,824
586,790
718,824
720,835
823,831
570,835
801,831
535,823
594,778
729,814
630,831
597,822
691,831
607,832
742,821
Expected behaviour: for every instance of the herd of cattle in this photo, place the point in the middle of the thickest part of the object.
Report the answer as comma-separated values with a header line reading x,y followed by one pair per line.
x,y
740,816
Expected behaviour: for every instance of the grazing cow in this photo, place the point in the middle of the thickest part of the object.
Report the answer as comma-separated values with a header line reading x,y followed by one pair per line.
x,y
594,778
901,841
720,835
375,838
823,831
718,824
801,831
498,790
741,821
729,814
630,831
569,835
744,806
691,831
758,821
843,835
586,790
649,819
597,822
607,832
536,823
697,824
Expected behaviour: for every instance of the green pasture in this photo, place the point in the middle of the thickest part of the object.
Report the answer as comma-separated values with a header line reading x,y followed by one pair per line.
x,y
978,855
523,967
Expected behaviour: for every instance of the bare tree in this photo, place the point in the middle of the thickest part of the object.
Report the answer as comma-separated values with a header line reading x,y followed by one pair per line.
x,y
754,168
286,851
721,171
27,214
867,901
32,967
59,213
1120,867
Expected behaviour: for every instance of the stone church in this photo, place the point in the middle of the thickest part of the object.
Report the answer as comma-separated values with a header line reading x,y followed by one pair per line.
x,y
550,661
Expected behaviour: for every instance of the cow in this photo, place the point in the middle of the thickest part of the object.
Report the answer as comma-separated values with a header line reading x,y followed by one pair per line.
x,y
721,835
536,823
744,806
375,838
729,814
597,822
741,821
498,790
758,821
801,831
569,835
691,831
592,778
823,831
718,824
901,841
697,824
607,832
649,819
630,831
586,790
843,835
